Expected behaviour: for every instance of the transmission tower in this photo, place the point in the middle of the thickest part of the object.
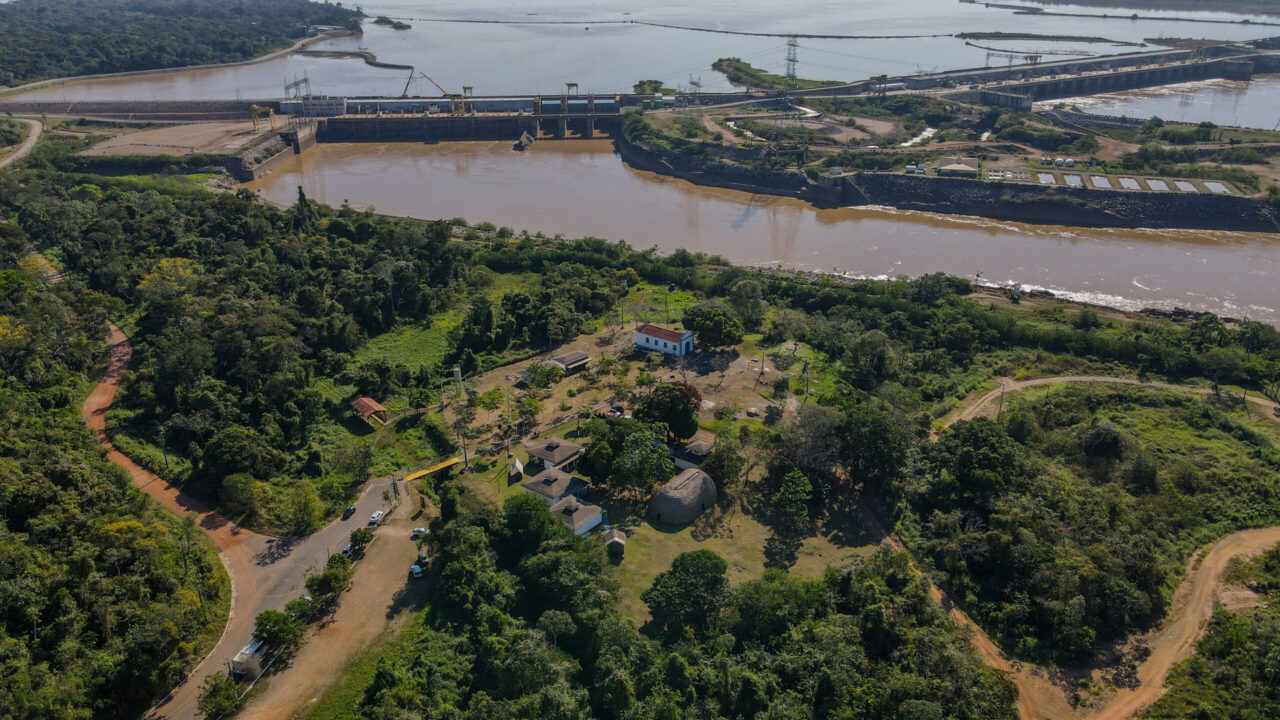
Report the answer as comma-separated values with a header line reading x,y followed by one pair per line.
x,y
793,45
695,88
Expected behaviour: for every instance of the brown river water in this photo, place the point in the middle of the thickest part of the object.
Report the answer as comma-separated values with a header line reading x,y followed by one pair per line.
x,y
579,188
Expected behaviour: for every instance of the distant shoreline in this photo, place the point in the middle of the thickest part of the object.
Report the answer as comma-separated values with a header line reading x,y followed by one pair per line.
x,y
55,82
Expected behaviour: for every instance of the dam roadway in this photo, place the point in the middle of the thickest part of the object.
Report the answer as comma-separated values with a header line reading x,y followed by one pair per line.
x,y
568,114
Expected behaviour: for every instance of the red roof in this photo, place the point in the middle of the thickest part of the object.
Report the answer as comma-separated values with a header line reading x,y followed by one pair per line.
x,y
660,333
366,406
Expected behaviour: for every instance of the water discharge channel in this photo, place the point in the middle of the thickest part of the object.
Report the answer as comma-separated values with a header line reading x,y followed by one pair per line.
x,y
581,188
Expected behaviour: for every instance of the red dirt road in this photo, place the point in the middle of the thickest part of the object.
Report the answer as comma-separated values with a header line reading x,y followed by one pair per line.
x,y
236,555
266,572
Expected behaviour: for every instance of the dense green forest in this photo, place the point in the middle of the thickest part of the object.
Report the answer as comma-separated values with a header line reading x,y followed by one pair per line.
x,y
1235,669
59,38
1063,526
105,601
525,625
252,328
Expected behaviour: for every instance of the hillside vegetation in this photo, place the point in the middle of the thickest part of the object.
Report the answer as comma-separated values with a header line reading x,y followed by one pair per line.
x,y
1067,524
105,600
59,38
1233,673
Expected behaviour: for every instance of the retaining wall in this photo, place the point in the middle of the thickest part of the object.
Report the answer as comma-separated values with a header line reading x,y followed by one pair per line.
x,y
1062,206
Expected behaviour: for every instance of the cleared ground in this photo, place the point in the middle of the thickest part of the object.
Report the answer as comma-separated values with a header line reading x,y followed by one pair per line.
x,y
179,140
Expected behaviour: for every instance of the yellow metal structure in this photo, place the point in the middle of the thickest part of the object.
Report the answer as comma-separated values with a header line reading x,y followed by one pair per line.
x,y
258,112
433,469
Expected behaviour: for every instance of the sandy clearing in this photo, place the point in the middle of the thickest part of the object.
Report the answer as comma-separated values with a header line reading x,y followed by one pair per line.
x,y
178,140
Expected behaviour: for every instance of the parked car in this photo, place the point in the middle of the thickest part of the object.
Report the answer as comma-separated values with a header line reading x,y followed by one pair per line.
x,y
351,510
420,532
415,571
347,551
422,559
376,517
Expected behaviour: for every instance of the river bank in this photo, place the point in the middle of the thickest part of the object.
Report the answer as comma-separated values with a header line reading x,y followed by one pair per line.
x,y
1017,202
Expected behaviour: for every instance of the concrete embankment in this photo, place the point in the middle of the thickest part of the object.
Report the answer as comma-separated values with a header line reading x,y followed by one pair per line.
x,y
1016,202
1061,206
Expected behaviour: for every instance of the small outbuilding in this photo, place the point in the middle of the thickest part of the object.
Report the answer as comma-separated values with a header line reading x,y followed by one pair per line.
x,y
683,499
577,516
556,452
615,543
571,362
369,409
552,485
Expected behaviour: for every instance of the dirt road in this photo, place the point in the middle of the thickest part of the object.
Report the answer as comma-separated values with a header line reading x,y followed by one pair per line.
x,y
265,572
25,147
368,611
1174,642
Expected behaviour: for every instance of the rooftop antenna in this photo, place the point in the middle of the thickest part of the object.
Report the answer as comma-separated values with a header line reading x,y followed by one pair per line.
x,y
793,45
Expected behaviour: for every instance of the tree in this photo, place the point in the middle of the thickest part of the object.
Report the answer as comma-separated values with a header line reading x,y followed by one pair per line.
x,y
791,500
355,460
874,446
361,537
690,594
555,624
219,697
642,463
542,375
675,404
277,630
1221,364
714,324
726,461
747,298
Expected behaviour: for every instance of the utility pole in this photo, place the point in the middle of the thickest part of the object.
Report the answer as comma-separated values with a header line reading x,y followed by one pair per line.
x,y
462,441
806,381
1000,409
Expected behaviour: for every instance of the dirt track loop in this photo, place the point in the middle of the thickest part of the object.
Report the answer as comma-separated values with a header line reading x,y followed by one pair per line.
x,y
265,572
1193,602
33,135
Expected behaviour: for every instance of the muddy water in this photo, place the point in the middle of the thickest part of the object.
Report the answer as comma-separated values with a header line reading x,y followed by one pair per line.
x,y
545,43
581,188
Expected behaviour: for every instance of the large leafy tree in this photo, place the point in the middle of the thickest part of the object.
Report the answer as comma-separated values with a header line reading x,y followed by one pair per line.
x,y
690,594
675,404
715,324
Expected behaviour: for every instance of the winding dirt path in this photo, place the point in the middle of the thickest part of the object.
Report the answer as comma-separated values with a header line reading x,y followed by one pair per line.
x,y
232,542
28,144
1173,642
267,572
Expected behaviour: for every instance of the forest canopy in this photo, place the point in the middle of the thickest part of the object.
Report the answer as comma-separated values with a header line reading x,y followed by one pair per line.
x,y
60,38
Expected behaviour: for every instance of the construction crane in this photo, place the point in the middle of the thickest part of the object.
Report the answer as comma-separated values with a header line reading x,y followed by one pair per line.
x,y
1029,58
257,112
457,102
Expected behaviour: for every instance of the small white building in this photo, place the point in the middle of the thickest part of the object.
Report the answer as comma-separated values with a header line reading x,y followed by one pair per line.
x,y
672,342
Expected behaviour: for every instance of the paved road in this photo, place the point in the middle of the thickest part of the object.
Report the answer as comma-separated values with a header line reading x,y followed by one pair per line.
x,y
265,572
1038,699
37,127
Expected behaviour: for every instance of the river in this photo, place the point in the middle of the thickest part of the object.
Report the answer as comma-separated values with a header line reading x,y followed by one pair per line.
x,y
598,48
581,188
1253,104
